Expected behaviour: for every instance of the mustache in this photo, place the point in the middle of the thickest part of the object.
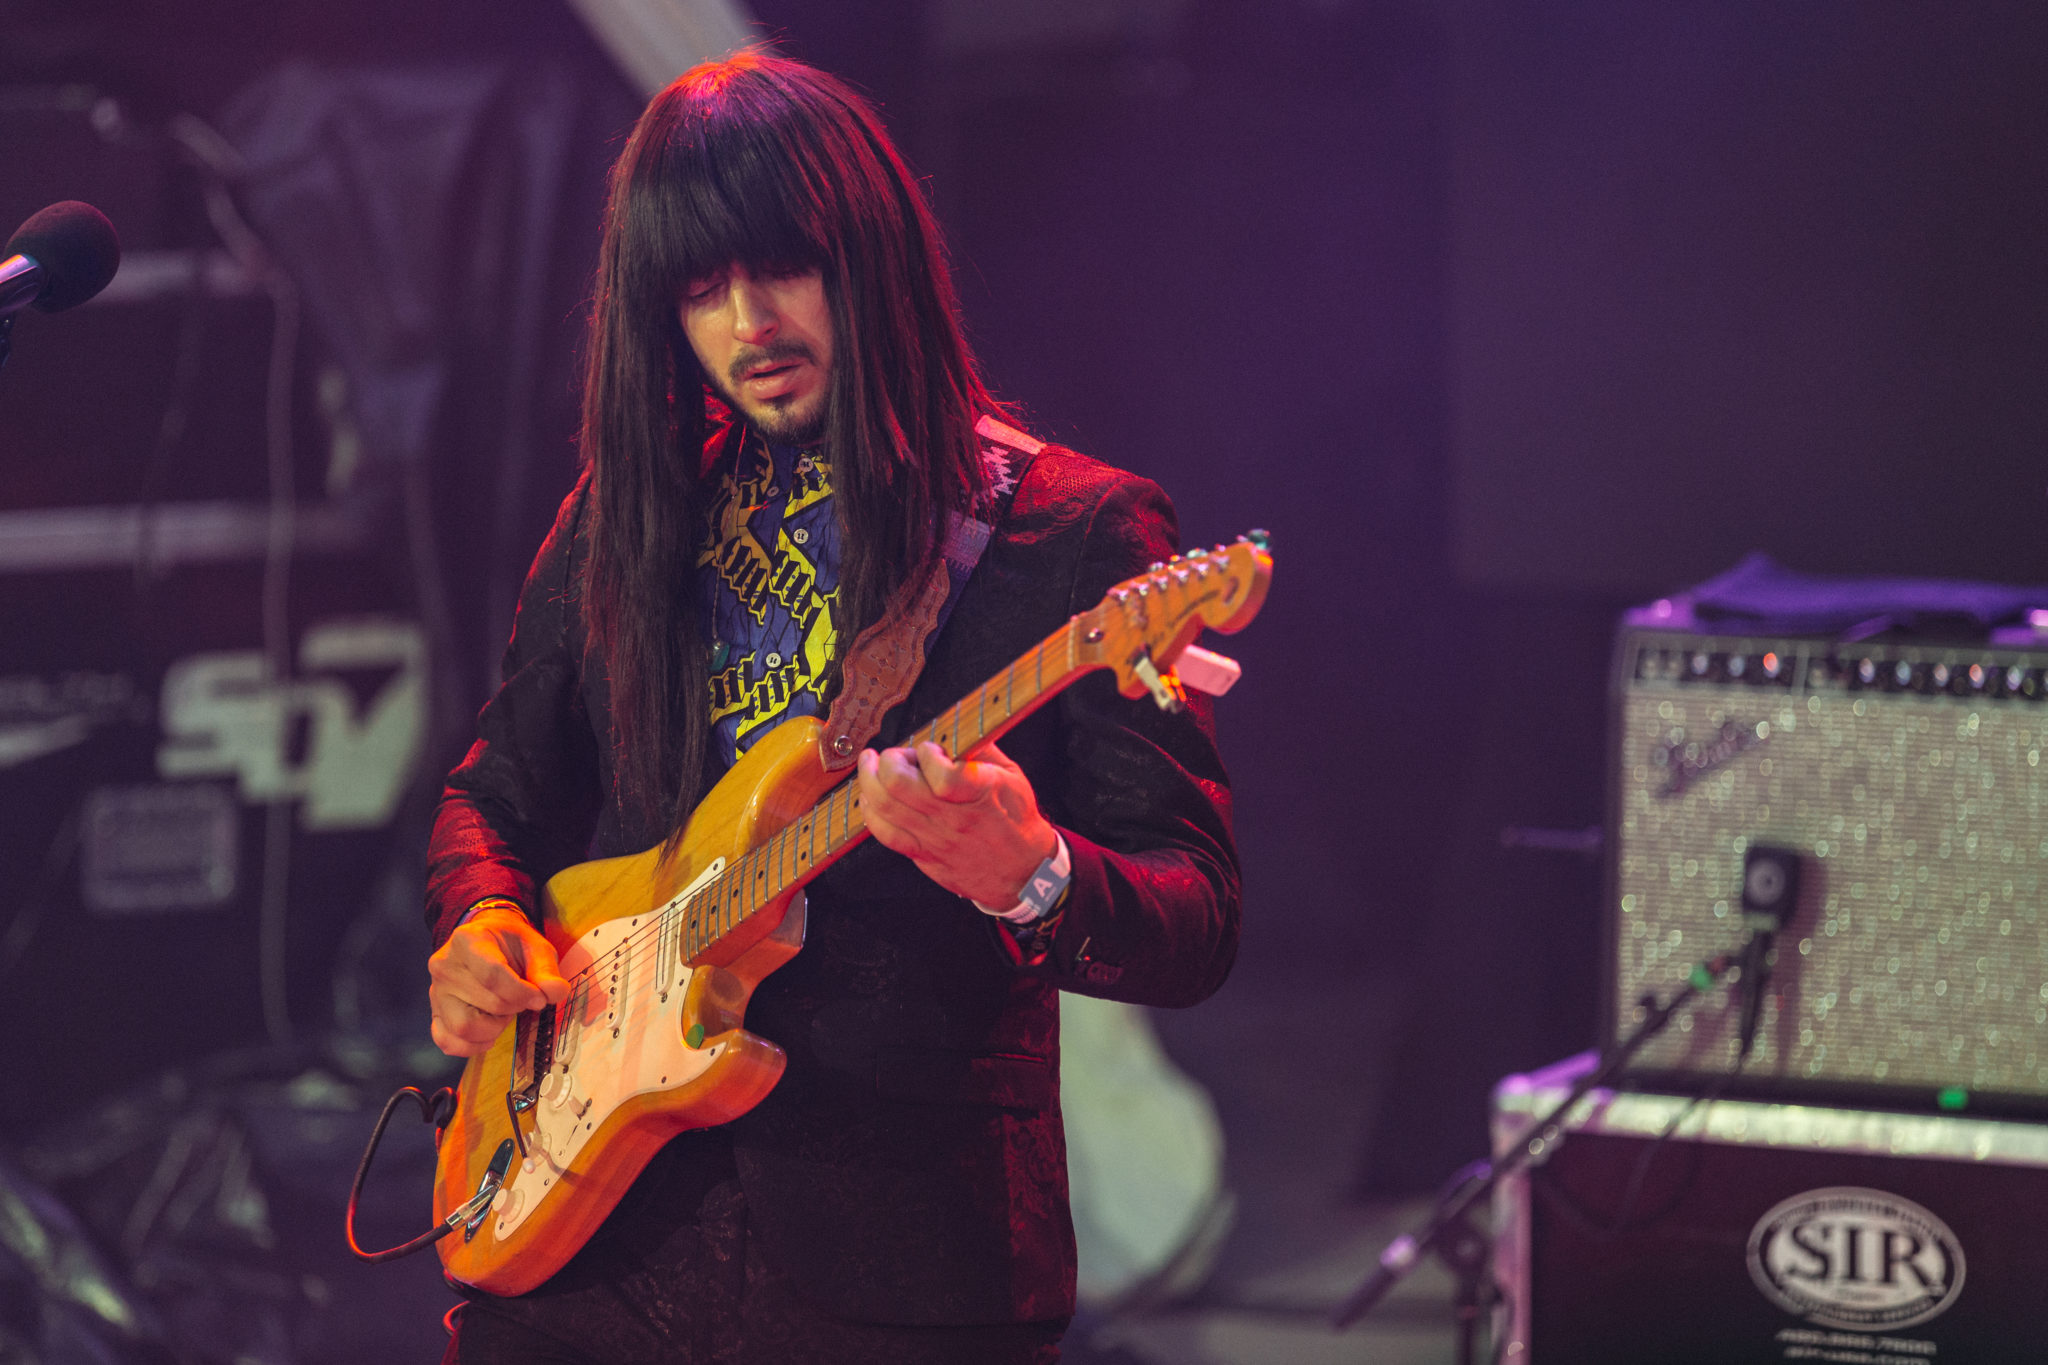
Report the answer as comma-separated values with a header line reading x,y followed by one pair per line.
x,y
774,353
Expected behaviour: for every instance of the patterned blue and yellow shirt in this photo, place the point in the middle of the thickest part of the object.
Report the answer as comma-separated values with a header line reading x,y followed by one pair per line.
x,y
768,583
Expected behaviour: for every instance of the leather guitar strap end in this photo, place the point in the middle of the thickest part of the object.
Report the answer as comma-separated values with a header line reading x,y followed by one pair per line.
x,y
880,669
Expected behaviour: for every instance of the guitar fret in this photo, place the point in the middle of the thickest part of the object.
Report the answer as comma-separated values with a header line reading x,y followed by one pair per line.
x,y
794,852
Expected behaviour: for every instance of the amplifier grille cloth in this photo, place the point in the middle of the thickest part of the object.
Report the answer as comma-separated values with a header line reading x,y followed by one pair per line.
x,y
1919,954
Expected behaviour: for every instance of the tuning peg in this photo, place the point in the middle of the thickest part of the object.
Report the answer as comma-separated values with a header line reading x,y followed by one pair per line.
x,y
1207,671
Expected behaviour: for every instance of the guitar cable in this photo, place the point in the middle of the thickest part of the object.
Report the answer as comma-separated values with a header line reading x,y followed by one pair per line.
x,y
437,1109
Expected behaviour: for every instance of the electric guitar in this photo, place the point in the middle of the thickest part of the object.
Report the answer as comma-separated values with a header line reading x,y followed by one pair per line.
x,y
662,949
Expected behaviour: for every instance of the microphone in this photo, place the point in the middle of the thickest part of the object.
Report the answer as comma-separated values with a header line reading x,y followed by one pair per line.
x,y
58,259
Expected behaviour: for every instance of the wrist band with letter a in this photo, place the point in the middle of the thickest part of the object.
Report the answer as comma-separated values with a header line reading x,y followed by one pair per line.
x,y
1042,889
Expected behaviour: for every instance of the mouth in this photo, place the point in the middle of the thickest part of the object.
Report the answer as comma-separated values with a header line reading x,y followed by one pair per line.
x,y
767,385
779,377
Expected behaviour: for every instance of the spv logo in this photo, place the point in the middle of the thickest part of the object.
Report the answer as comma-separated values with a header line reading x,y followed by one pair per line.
x,y
1856,1259
342,738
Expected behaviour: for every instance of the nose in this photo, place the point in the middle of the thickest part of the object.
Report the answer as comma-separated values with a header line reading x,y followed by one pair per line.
x,y
754,319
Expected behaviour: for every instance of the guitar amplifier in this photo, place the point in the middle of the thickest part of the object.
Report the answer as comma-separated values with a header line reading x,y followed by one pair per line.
x,y
1908,778
1764,1233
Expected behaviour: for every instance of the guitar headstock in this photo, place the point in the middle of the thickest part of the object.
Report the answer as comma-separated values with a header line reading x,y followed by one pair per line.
x,y
1148,620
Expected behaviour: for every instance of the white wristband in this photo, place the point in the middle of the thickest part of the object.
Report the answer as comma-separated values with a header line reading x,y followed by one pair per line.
x,y
1041,889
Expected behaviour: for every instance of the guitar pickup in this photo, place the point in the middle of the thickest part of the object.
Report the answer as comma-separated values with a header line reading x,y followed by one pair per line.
x,y
533,1052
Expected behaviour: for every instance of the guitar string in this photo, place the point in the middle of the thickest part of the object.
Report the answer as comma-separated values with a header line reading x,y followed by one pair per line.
x,y
764,860
778,852
770,857
1002,686
670,919
773,855
654,936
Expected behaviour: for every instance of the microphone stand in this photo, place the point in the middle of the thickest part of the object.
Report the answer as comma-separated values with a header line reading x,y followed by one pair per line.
x,y
1449,1231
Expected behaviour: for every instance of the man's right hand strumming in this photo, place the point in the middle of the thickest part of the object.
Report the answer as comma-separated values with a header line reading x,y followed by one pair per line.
x,y
495,965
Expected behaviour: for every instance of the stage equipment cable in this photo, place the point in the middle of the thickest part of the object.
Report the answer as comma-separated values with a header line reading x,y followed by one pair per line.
x,y
220,164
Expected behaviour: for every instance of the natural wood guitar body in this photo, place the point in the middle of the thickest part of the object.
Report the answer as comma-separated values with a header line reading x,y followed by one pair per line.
x,y
649,1083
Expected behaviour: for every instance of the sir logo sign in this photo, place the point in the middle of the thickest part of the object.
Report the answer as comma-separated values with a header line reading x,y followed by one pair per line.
x,y
1857,1259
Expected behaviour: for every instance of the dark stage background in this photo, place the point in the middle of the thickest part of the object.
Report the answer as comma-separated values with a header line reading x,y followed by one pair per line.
x,y
1500,316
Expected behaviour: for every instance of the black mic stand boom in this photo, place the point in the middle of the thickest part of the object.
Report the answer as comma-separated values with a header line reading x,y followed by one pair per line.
x,y
1449,1231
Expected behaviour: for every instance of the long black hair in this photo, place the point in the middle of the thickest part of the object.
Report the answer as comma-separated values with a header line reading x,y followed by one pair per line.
x,y
779,167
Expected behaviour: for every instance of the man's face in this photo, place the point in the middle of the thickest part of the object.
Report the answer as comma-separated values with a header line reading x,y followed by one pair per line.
x,y
765,341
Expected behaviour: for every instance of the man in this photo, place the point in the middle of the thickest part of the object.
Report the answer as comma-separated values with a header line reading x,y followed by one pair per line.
x,y
781,449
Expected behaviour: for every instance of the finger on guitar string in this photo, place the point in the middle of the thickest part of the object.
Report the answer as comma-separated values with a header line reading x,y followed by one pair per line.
x,y
460,1028
974,827
899,781
956,783
883,812
492,967
499,952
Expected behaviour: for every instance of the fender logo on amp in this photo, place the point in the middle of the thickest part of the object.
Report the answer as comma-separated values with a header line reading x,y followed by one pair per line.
x,y
1685,761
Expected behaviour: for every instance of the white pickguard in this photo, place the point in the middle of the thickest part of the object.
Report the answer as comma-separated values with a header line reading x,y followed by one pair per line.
x,y
619,1035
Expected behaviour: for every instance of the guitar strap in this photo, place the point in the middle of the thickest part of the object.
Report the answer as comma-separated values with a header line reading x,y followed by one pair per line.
x,y
884,661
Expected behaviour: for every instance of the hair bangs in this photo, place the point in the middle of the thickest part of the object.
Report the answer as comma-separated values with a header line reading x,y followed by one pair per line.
x,y
729,191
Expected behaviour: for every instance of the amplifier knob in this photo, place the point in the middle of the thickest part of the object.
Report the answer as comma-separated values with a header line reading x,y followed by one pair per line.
x,y
2013,678
1866,671
1977,677
1902,674
1941,675
1701,662
1773,665
1737,665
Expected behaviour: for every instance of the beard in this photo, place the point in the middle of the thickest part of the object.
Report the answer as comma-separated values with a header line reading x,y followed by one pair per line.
x,y
794,420
786,421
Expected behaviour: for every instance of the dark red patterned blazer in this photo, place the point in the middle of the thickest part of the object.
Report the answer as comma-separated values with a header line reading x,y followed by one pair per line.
x,y
910,1167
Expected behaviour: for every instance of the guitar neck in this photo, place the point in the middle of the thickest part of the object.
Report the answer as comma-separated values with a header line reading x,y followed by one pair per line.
x,y
800,850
